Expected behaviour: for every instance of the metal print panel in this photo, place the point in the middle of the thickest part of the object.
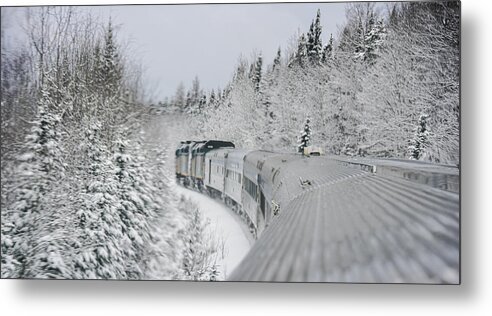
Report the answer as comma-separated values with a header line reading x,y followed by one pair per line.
x,y
271,142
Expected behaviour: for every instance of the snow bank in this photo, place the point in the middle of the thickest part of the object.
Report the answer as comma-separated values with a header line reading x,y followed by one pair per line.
x,y
226,226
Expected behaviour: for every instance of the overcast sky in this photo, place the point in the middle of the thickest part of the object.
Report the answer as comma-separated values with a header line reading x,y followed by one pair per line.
x,y
175,43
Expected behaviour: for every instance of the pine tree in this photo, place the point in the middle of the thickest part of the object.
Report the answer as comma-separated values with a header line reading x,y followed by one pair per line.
x,y
251,73
277,61
374,40
421,141
310,40
305,137
301,53
198,260
346,42
100,254
393,18
212,99
188,102
360,41
195,93
137,208
109,72
257,73
314,44
328,51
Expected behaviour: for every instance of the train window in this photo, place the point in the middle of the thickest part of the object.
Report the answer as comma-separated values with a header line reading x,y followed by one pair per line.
x,y
250,187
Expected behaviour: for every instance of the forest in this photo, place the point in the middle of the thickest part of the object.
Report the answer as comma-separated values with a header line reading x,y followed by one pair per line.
x,y
85,194
386,86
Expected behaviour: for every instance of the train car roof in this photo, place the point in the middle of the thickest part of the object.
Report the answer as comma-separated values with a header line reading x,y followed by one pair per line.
x,y
346,224
219,152
253,162
238,154
259,155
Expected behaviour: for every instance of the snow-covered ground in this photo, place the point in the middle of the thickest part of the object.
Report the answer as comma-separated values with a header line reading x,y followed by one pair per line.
x,y
226,226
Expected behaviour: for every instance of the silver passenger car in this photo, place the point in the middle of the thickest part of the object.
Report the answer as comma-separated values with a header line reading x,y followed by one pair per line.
x,y
252,196
234,176
215,171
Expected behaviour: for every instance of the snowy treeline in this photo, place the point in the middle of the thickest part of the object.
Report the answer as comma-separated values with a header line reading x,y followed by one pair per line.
x,y
84,193
367,90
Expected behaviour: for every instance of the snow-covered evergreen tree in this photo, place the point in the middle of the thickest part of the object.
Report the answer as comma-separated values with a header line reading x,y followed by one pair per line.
x,y
138,206
277,61
300,56
101,228
305,137
212,100
359,41
257,73
328,51
374,40
198,253
421,141
314,45
109,73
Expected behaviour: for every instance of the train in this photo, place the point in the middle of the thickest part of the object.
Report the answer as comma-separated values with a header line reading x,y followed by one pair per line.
x,y
333,218
236,176
253,183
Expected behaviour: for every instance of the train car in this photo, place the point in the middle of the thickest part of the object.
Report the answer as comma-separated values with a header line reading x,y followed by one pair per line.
x,y
234,177
215,171
252,195
198,157
200,153
203,169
